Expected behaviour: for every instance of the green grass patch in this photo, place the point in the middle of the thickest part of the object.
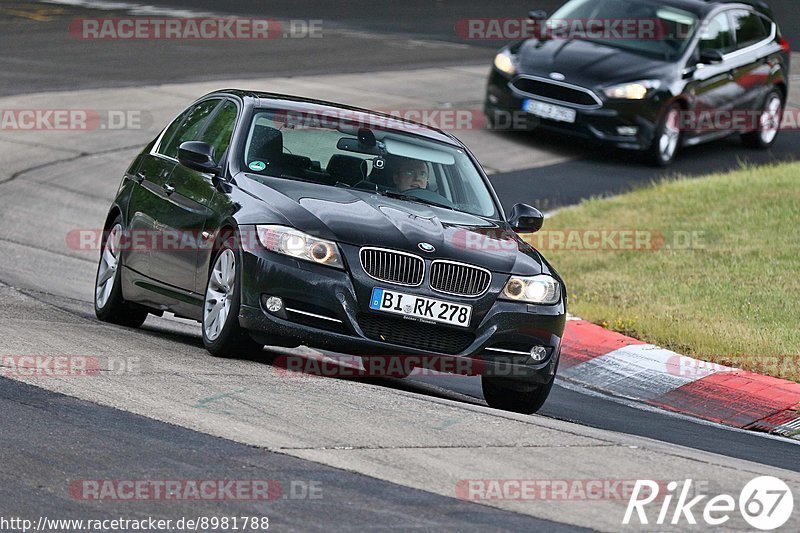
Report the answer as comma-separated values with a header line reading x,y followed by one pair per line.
x,y
720,279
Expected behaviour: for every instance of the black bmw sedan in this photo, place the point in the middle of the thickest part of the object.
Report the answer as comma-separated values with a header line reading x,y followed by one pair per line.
x,y
276,220
646,75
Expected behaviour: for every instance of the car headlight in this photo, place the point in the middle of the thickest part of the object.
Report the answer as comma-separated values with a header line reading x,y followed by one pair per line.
x,y
637,90
542,289
504,62
294,243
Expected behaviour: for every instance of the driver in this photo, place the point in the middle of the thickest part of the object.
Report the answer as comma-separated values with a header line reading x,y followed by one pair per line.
x,y
410,174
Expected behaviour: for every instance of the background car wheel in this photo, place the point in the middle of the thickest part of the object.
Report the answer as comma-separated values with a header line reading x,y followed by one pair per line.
x,y
769,123
222,334
109,306
667,138
514,395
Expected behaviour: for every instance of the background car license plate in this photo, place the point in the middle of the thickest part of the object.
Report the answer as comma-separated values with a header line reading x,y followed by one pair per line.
x,y
420,307
553,112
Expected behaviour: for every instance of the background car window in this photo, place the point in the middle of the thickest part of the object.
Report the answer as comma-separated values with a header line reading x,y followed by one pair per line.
x,y
220,129
717,35
748,28
190,128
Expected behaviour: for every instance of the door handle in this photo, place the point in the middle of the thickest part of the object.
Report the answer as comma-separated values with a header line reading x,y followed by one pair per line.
x,y
169,189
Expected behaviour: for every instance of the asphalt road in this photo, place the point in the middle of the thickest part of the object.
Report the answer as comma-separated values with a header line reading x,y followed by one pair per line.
x,y
387,452
117,445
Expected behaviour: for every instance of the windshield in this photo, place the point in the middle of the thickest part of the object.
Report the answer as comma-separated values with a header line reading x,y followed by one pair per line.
x,y
639,26
338,152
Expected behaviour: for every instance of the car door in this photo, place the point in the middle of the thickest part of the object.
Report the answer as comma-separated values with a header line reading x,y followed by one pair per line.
x,y
191,195
712,88
195,191
175,219
749,62
151,174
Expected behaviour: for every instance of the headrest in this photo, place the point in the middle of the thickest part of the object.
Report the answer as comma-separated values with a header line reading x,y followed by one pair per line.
x,y
347,169
266,145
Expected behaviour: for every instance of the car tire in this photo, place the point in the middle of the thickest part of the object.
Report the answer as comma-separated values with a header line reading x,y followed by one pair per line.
x,y
769,123
667,138
513,395
223,336
109,305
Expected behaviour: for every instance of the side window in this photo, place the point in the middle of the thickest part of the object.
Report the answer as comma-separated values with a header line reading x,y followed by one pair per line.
x,y
748,27
717,35
170,131
219,131
190,128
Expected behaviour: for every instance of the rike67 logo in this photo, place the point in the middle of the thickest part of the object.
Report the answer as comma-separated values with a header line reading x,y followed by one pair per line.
x,y
766,503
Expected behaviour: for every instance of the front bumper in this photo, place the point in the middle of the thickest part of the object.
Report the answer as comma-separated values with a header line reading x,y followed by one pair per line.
x,y
329,309
504,107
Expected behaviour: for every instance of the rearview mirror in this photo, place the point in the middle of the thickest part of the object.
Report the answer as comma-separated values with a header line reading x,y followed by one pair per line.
x,y
198,156
525,218
711,57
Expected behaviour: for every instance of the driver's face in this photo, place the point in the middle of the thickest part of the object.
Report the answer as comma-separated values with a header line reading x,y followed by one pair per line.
x,y
411,176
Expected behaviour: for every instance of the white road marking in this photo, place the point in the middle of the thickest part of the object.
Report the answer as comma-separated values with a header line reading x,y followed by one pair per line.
x,y
134,9
639,371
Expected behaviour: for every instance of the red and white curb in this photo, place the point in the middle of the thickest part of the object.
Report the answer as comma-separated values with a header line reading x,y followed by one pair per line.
x,y
614,364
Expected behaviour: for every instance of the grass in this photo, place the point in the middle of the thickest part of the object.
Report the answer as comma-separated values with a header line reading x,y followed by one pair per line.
x,y
725,285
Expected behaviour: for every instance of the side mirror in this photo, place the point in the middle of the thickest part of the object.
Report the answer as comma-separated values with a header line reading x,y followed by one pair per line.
x,y
525,219
198,156
711,57
537,14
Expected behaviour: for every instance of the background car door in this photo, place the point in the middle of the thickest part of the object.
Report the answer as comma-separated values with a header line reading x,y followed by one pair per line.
x,y
171,259
188,207
713,85
751,71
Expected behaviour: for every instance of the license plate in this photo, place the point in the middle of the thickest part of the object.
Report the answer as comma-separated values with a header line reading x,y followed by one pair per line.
x,y
420,308
553,112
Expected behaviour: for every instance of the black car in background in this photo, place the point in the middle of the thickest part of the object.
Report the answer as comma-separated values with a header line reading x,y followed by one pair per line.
x,y
681,72
275,220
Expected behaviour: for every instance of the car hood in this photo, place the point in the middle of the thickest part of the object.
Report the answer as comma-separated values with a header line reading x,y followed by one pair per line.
x,y
362,218
584,63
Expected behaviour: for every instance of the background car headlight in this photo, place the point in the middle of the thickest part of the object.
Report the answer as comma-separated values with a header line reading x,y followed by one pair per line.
x,y
542,289
504,62
294,243
637,90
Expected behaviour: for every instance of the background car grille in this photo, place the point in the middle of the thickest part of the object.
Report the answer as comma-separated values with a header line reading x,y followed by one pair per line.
x,y
415,334
462,280
555,91
393,267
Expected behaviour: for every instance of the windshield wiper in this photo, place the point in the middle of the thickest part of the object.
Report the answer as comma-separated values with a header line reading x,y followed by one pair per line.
x,y
410,198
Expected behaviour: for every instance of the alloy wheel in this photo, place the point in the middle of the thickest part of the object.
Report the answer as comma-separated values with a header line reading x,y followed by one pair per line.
x,y
770,120
109,262
219,294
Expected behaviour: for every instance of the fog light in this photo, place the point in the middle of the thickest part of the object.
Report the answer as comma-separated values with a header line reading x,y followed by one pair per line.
x,y
628,131
493,99
273,304
538,354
